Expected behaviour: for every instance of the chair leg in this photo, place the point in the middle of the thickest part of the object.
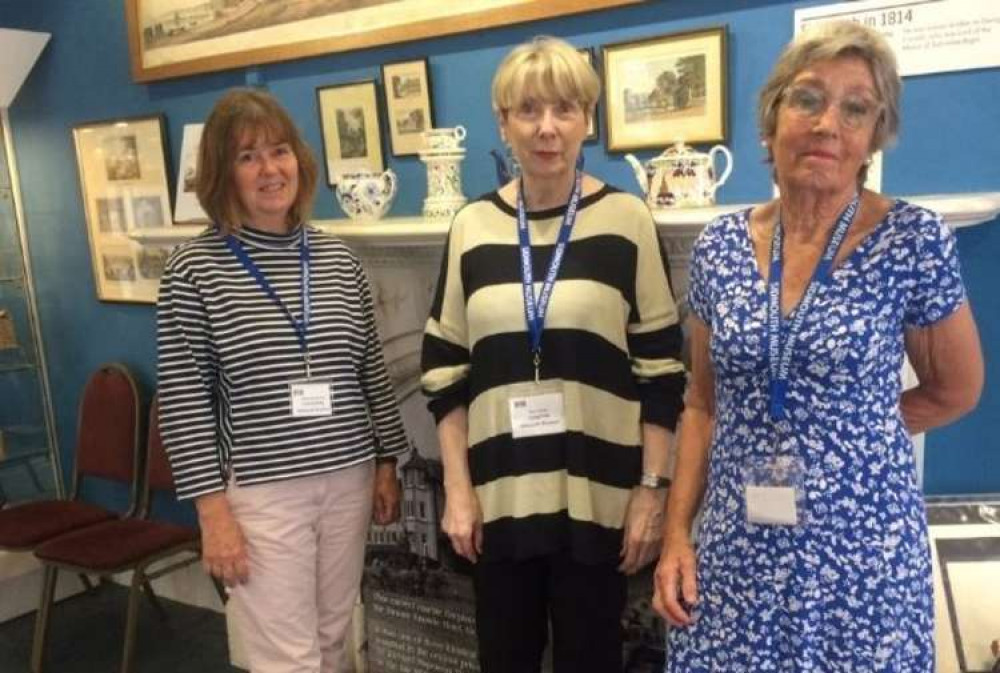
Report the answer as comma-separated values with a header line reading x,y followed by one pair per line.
x,y
87,584
49,580
153,600
131,620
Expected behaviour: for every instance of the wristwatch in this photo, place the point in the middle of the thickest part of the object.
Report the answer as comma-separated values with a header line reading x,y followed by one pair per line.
x,y
650,480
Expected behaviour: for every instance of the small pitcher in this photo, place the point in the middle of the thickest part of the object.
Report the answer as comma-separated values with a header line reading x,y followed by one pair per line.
x,y
366,195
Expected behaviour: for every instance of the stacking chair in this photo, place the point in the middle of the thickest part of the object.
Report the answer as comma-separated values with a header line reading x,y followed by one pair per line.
x,y
134,544
107,447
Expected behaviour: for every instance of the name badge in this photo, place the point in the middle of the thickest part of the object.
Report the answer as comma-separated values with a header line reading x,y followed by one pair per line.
x,y
774,490
772,505
537,409
311,398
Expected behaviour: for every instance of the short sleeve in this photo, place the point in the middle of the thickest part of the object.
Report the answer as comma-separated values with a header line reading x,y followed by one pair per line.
x,y
937,287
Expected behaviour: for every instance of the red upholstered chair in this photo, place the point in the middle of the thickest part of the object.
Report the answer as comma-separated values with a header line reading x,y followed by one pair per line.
x,y
107,447
133,544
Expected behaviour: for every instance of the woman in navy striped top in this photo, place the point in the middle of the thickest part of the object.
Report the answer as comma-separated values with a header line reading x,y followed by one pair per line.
x,y
276,408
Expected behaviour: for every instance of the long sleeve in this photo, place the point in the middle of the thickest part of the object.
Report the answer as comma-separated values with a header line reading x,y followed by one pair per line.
x,y
654,333
188,388
386,420
445,355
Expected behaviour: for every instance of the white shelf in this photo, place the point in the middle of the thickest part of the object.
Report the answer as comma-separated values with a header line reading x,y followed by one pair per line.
x,y
958,210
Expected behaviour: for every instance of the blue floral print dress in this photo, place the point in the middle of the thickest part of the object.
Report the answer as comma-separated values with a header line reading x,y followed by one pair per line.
x,y
849,589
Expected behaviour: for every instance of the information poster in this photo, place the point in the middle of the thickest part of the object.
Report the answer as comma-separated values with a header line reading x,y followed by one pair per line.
x,y
928,36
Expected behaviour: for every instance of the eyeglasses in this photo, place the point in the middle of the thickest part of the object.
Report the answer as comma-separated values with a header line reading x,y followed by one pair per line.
x,y
531,110
855,111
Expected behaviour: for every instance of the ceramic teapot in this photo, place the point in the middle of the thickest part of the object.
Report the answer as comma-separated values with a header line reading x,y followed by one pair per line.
x,y
681,177
366,195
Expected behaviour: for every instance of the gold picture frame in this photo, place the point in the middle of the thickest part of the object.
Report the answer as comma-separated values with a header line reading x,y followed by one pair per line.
x,y
173,38
124,186
352,134
409,107
666,88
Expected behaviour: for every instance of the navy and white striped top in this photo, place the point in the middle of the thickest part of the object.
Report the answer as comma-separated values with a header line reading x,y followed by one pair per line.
x,y
227,354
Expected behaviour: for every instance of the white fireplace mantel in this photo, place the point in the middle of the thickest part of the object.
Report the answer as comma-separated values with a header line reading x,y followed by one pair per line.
x,y
679,227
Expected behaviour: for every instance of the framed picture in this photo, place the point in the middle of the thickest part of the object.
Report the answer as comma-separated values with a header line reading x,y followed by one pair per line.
x,y
123,182
965,555
408,109
352,139
588,53
186,205
666,88
172,38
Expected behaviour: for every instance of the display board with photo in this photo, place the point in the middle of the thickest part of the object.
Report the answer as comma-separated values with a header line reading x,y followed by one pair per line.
x,y
124,185
352,138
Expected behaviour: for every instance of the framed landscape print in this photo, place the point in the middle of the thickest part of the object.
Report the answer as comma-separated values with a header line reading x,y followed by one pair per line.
x,y
408,108
352,139
123,182
661,89
173,38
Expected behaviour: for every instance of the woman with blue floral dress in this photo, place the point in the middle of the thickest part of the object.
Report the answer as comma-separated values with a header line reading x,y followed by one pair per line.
x,y
812,551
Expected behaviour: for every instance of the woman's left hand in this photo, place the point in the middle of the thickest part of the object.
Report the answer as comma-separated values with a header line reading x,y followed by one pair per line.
x,y
643,528
387,494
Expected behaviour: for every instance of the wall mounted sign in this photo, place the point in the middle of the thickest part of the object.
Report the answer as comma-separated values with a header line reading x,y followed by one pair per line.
x,y
928,37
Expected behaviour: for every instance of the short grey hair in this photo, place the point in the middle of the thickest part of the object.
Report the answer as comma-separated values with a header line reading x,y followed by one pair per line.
x,y
826,42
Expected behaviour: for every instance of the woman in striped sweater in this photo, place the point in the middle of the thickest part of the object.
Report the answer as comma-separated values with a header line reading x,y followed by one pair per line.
x,y
551,359
275,406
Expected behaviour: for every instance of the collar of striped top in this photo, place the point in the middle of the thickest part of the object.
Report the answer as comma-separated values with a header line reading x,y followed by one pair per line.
x,y
266,239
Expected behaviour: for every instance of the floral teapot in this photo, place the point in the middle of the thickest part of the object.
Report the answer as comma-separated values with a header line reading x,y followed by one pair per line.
x,y
366,195
681,177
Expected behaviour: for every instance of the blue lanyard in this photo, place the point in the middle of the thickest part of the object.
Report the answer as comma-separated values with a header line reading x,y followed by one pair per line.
x,y
779,355
301,327
534,312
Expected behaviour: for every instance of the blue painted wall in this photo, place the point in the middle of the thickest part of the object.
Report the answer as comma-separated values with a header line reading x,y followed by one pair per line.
x,y
949,143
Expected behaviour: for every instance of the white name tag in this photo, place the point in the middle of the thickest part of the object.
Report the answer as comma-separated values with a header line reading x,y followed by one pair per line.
x,y
538,414
311,398
772,505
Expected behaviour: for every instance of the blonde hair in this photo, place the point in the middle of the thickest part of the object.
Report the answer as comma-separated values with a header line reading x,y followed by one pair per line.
x,y
237,113
546,69
828,41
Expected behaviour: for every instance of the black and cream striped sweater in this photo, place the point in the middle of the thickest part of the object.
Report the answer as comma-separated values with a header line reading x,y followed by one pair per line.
x,y
611,338
227,355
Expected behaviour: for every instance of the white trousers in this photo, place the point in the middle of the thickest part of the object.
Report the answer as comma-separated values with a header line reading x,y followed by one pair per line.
x,y
306,545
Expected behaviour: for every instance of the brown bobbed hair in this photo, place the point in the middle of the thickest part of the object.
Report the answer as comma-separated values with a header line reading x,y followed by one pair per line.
x,y
237,113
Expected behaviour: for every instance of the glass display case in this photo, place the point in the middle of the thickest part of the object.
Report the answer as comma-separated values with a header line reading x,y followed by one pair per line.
x,y
27,446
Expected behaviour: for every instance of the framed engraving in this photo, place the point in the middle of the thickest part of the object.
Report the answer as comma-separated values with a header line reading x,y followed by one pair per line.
x,y
662,89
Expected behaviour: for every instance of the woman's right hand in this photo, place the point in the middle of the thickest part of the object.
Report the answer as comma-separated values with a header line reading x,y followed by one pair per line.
x,y
223,547
463,521
676,583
